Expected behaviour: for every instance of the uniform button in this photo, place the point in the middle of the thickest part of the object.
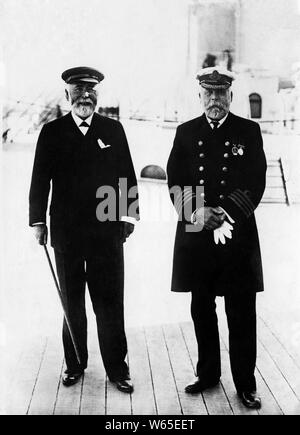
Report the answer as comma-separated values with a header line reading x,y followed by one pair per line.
x,y
202,155
221,197
200,143
223,182
201,168
227,144
226,155
225,169
201,181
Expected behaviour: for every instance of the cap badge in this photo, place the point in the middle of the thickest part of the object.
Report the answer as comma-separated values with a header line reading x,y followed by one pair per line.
x,y
215,75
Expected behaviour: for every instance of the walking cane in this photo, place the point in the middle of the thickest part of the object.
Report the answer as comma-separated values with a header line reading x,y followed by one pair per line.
x,y
63,305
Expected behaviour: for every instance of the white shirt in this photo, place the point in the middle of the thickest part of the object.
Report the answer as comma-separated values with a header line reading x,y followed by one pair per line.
x,y
78,121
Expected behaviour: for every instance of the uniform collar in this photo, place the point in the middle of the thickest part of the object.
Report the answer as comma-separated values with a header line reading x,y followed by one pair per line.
x,y
221,121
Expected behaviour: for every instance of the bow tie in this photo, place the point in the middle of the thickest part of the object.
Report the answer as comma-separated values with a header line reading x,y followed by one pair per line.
x,y
84,124
214,124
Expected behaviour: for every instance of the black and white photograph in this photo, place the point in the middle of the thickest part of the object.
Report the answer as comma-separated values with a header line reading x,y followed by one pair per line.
x,y
150,208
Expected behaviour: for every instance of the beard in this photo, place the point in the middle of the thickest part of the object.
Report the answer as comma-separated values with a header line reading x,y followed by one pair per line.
x,y
84,108
217,112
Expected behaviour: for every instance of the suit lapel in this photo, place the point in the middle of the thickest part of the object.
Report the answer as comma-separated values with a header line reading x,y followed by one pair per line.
x,y
231,129
71,130
204,123
204,128
228,122
92,128
98,130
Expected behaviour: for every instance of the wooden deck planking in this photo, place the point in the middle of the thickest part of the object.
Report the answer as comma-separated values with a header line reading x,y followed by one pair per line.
x,y
290,371
282,392
216,401
293,349
117,403
143,399
9,365
93,398
46,388
270,406
183,370
162,362
279,371
166,394
21,390
269,403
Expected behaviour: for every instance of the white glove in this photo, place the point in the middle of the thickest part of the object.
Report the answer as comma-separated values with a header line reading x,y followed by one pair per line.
x,y
217,236
223,231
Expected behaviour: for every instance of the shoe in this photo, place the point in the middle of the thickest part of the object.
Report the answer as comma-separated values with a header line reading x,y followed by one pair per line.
x,y
250,399
199,386
124,385
71,378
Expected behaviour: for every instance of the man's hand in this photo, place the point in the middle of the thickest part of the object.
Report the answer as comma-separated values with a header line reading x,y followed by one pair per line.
x,y
41,233
128,228
210,218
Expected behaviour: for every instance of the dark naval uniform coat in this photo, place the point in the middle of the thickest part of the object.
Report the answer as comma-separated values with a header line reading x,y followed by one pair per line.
x,y
229,163
87,250
229,166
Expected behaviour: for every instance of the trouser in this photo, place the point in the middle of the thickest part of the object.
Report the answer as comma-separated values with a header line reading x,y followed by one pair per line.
x,y
104,274
241,319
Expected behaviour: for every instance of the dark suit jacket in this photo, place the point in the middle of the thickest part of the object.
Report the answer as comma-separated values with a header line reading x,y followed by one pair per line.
x,y
77,166
203,157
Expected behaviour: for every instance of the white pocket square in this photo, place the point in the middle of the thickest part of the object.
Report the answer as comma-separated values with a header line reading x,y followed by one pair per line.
x,y
102,145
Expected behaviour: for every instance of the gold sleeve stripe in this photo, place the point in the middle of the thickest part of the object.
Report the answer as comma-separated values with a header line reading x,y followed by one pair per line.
x,y
239,202
247,201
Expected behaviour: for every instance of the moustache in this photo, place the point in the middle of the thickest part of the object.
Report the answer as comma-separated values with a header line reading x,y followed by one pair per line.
x,y
85,102
216,106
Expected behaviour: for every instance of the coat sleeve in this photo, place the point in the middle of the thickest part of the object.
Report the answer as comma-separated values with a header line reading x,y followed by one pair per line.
x,y
242,201
129,204
182,195
41,178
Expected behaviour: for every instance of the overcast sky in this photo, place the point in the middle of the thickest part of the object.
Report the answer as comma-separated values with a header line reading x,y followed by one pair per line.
x,y
140,45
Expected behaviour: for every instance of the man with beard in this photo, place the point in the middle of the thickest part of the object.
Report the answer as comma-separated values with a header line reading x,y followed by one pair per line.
x,y
81,153
216,176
